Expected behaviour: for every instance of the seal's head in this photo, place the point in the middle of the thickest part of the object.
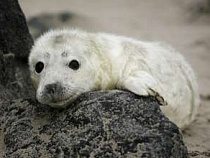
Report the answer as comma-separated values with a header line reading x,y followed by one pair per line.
x,y
61,67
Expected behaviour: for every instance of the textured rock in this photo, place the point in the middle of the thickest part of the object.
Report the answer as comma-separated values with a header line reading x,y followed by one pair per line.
x,y
98,124
14,34
15,44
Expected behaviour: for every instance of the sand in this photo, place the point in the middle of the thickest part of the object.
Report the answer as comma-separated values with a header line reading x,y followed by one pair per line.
x,y
169,21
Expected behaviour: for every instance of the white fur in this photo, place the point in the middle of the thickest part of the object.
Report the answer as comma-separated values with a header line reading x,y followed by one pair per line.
x,y
108,62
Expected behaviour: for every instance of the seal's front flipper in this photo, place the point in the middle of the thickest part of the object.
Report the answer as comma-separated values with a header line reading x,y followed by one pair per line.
x,y
143,84
158,97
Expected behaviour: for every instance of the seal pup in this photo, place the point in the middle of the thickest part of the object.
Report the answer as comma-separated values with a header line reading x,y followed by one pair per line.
x,y
66,63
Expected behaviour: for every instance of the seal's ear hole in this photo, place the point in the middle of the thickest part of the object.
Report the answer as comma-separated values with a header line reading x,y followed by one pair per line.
x,y
74,64
39,67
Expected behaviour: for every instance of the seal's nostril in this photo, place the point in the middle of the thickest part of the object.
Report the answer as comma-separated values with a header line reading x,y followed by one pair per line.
x,y
51,88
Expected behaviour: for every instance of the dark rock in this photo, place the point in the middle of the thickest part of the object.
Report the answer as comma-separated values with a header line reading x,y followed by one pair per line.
x,y
14,34
99,124
7,68
15,44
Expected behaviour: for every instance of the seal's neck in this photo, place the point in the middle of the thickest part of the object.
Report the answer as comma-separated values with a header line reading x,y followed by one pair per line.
x,y
104,77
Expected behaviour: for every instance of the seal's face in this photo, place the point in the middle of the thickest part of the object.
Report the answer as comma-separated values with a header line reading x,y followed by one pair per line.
x,y
60,68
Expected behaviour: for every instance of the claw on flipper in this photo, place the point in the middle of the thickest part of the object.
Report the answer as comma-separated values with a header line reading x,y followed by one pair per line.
x,y
159,98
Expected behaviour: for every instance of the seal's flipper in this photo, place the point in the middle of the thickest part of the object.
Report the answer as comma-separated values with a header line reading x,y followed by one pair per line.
x,y
143,84
159,98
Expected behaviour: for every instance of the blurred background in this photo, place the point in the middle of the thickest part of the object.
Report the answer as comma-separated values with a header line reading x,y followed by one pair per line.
x,y
184,24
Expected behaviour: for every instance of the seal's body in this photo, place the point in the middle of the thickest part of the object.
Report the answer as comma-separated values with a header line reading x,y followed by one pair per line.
x,y
66,63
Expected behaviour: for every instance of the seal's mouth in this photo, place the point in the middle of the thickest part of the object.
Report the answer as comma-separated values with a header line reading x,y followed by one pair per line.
x,y
62,103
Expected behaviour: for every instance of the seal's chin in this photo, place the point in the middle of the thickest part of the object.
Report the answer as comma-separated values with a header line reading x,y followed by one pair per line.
x,y
60,104
63,103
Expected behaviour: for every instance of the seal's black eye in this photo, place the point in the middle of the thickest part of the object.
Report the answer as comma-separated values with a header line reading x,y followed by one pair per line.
x,y
74,64
39,67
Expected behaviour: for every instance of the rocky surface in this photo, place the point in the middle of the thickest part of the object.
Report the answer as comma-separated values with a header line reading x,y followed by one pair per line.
x,y
14,36
98,124
15,44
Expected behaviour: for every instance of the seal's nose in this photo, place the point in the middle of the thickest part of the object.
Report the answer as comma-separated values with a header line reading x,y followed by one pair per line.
x,y
52,93
52,88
